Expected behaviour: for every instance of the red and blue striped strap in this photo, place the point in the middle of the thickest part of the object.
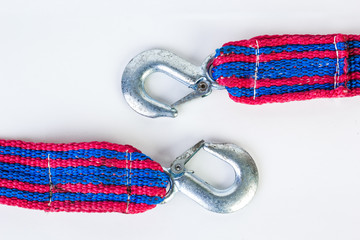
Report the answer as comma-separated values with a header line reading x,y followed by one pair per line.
x,y
284,68
79,177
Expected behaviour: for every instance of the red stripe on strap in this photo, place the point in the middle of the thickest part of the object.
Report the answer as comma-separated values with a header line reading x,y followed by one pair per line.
x,y
68,206
280,40
67,146
82,188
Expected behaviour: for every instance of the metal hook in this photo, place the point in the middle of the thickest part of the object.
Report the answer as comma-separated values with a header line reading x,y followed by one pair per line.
x,y
227,200
158,60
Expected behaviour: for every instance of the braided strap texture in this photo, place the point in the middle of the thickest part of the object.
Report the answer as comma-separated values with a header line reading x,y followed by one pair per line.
x,y
284,68
79,177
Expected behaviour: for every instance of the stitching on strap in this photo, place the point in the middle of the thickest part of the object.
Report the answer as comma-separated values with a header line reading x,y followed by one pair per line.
x,y
337,72
257,53
50,182
128,180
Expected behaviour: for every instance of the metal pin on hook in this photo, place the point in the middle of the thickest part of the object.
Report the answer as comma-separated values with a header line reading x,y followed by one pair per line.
x,y
226,200
158,60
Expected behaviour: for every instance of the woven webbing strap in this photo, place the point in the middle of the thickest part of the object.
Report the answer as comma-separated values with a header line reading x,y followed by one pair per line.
x,y
286,68
79,177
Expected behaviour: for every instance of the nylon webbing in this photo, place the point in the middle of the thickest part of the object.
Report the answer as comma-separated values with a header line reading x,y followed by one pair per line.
x,y
286,68
79,177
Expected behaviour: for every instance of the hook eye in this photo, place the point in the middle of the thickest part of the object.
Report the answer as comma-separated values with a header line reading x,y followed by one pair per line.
x,y
226,200
158,60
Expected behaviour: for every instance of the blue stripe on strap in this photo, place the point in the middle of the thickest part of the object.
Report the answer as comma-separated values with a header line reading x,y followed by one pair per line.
x,y
80,170
353,84
84,175
353,44
277,90
71,154
354,63
91,197
285,48
281,69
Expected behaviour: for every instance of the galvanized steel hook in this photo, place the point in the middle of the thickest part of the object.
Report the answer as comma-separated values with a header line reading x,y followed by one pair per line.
x,y
226,200
158,60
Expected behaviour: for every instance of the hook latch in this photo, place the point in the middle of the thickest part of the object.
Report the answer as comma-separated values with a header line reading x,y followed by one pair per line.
x,y
226,200
158,60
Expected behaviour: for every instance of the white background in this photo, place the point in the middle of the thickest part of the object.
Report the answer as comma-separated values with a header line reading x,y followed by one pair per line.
x,y
60,69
